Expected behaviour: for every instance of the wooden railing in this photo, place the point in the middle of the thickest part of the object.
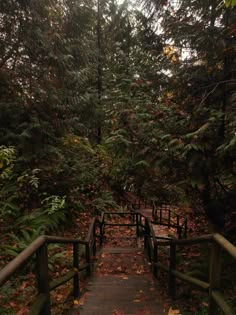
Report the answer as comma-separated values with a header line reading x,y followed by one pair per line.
x,y
152,244
217,242
163,215
105,222
39,248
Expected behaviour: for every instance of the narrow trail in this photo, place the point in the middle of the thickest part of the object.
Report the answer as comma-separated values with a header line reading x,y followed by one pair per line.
x,y
122,282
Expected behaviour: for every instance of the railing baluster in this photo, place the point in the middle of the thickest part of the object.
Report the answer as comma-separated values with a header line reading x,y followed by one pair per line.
x,y
169,218
76,288
155,259
102,230
179,228
137,223
43,277
172,266
185,227
153,211
94,238
146,237
214,276
88,259
177,221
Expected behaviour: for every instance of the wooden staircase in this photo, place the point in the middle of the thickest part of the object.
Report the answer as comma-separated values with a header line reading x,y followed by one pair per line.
x,y
125,291
122,291
122,281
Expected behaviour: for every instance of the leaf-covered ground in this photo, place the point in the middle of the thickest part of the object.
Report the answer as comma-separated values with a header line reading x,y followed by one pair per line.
x,y
18,293
122,257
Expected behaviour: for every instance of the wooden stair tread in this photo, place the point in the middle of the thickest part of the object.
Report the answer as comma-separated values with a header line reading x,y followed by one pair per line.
x,y
134,294
119,250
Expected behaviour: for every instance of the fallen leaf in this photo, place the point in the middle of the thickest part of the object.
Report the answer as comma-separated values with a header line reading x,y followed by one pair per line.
x,y
23,311
173,312
118,312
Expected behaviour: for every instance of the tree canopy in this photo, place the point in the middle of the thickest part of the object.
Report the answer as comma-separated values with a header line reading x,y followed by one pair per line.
x,y
99,97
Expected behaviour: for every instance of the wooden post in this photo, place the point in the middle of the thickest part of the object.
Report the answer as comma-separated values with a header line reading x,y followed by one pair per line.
x,y
94,239
179,228
172,267
155,260
101,231
76,266
177,221
137,223
133,217
169,215
161,215
88,259
214,276
148,240
179,232
43,277
185,227
146,237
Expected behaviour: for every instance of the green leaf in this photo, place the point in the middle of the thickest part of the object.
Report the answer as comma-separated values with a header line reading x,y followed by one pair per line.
x,y
230,3
142,163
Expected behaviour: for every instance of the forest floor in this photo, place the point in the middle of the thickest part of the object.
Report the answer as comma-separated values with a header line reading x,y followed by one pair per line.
x,y
188,300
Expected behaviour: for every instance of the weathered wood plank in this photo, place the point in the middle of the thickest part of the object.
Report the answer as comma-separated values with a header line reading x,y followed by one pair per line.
x,y
130,295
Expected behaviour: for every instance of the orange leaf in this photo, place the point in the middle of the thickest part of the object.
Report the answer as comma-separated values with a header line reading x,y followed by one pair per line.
x,y
173,312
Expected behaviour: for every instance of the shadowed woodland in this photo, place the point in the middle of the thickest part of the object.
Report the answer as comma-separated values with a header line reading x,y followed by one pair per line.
x,y
117,106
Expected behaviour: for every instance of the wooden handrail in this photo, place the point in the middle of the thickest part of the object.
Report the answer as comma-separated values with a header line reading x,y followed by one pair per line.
x,y
218,243
151,242
63,240
225,307
173,224
30,250
91,229
41,305
225,244
20,259
195,240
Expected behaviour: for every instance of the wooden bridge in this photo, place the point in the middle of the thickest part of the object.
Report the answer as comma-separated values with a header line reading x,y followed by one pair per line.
x,y
119,293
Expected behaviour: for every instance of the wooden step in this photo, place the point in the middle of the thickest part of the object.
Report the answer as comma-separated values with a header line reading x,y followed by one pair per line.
x,y
129,295
120,250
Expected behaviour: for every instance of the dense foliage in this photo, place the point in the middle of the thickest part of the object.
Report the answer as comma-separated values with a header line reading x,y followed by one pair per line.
x,y
100,97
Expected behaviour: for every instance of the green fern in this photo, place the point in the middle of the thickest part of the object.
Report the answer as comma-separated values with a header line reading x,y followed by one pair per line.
x,y
53,204
7,159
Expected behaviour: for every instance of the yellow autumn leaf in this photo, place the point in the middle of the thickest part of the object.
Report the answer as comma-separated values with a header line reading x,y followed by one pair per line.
x,y
173,312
